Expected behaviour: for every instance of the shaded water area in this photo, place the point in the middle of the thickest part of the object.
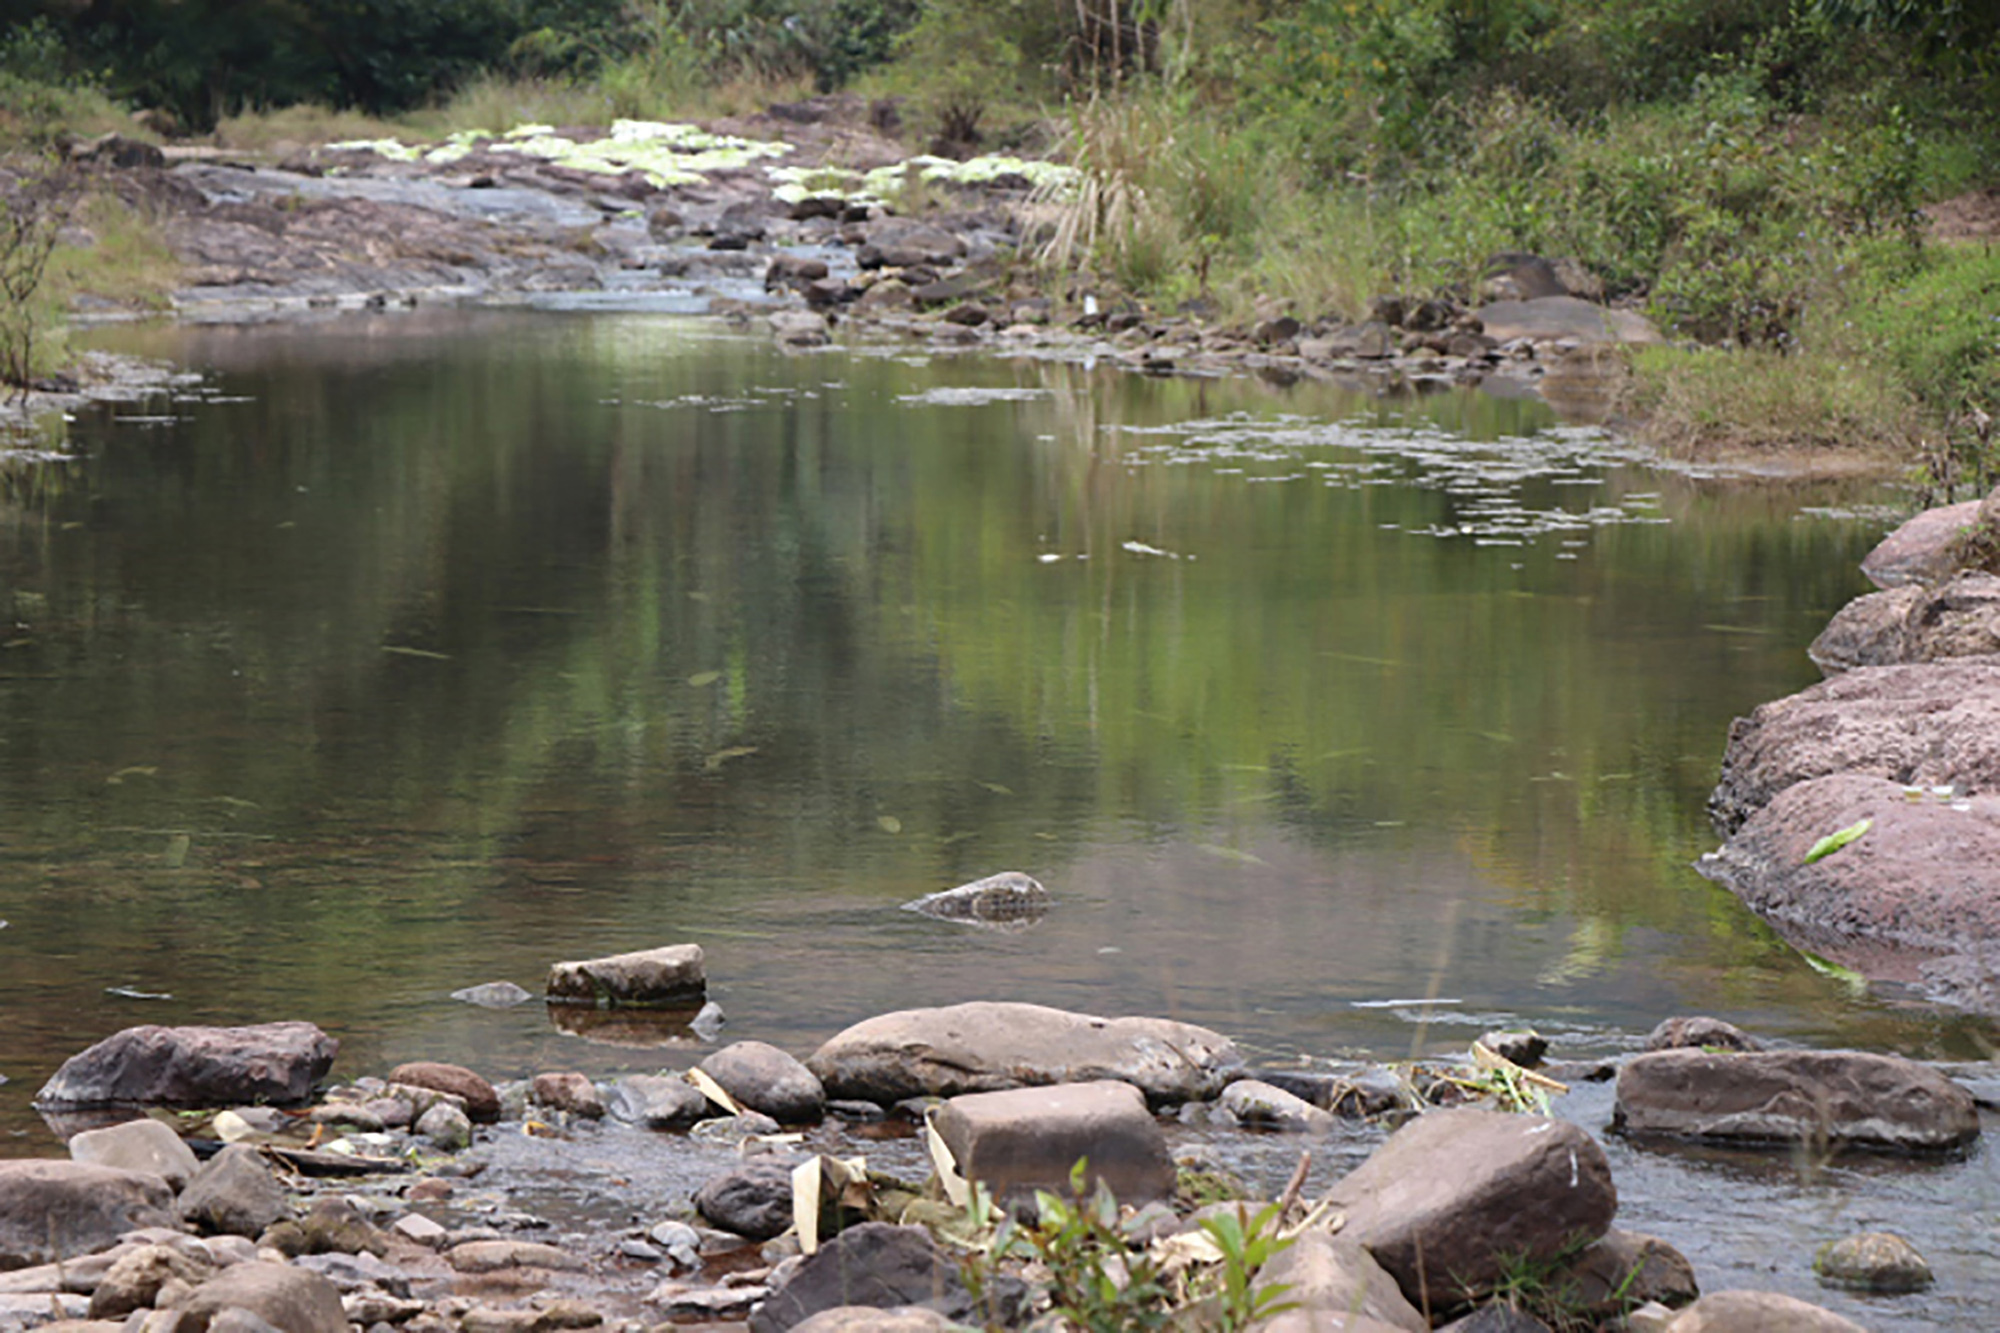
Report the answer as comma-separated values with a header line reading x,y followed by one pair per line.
x,y
413,652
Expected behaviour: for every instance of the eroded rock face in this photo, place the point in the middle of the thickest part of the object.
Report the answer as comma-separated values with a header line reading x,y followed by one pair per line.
x,y
1932,724
1029,1139
1913,623
53,1210
989,1046
271,1063
1924,878
1455,1199
1008,899
1853,1098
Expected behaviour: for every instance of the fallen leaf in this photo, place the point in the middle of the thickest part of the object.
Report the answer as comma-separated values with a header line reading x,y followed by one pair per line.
x,y
1836,840
701,679
889,823
136,771
715,761
403,650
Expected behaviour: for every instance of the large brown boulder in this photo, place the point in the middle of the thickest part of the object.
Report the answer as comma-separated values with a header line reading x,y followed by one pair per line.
x,y
53,1210
1868,631
1456,1200
1937,723
1925,549
989,1046
1920,885
270,1063
1853,1098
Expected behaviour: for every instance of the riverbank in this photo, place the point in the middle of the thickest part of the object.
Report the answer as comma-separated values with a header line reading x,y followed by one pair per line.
x,y
425,1197
816,226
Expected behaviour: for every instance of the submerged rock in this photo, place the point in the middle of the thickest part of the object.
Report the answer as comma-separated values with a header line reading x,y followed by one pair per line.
x,y
668,976
989,1046
494,995
1850,1098
1008,899
1874,1261
271,1063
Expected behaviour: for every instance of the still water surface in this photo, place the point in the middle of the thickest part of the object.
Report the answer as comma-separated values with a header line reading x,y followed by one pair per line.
x,y
415,652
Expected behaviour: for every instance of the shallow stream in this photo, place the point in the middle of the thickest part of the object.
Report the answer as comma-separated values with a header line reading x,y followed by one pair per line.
x,y
416,651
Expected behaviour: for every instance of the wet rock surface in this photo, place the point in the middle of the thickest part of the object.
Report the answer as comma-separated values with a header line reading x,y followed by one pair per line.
x,y
991,1046
275,1063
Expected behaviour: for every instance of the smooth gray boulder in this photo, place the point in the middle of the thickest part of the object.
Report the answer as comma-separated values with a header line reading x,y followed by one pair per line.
x,y
1928,724
656,1101
1456,1200
1758,1312
138,1145
764,1078
1914,900
1027,1139
52,1210
286,1298
270,1063
990,1046
234,1194
752,1199
874,1264
1852,1098
665,977
1009,900
1335,1284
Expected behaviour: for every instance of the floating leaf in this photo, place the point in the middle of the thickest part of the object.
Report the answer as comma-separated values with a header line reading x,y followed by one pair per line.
x,y
715,761
129,993
176,854
998,789
404,650
889,823
1836,840
135,771
703,679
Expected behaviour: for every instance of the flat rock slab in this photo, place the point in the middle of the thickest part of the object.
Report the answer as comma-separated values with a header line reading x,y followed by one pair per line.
x,y
669,976
990,1046
53,1210
1913,901
269,1063
1930,724
1924,549
1028,1139
1456,1200
1852,1098
1554,318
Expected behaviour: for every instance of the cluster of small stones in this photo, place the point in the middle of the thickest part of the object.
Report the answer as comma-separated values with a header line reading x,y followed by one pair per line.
x,y
327,1215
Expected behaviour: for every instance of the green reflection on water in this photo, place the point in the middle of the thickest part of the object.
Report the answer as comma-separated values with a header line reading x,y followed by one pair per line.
x,y
461,644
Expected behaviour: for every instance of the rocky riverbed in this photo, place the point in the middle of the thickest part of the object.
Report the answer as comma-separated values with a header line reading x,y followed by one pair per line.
x,y
237,1178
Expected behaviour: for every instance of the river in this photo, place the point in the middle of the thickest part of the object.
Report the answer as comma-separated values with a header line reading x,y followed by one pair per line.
x,y
415,651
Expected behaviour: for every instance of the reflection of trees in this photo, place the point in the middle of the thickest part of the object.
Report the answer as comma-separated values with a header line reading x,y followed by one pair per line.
x,y
658,662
